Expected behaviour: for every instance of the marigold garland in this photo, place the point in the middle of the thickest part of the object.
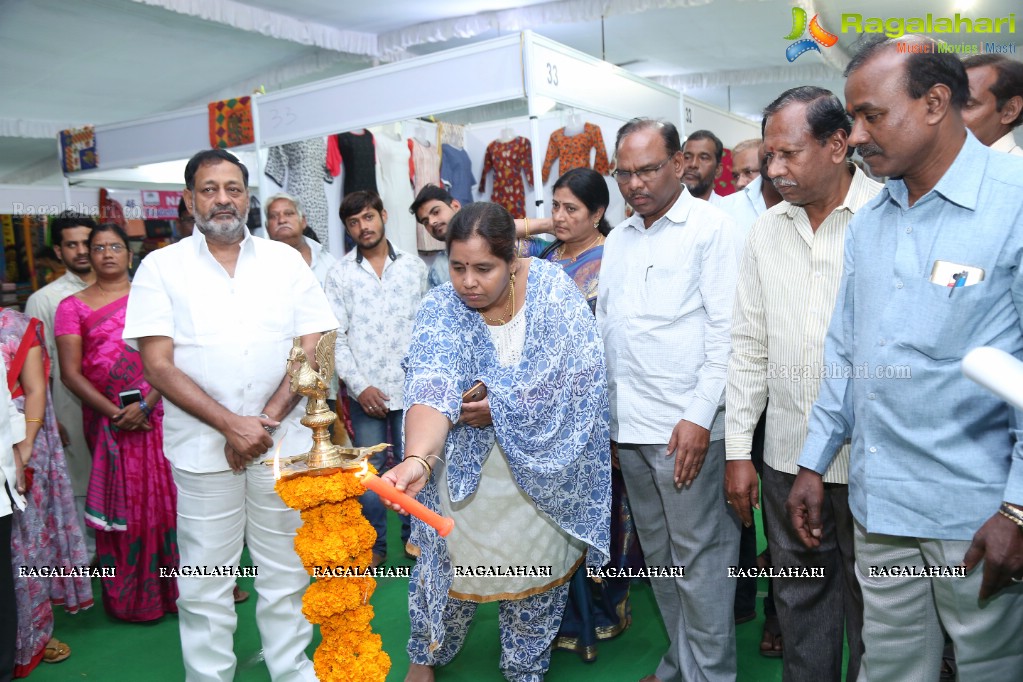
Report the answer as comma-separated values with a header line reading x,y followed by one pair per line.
x,y
335,534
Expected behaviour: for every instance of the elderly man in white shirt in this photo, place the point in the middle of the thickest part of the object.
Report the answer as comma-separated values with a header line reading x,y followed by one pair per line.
x,y
12,482
69,233
286,222
664,306
375,292
214,316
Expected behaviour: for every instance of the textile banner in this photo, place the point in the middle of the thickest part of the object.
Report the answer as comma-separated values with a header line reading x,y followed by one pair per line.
x,y
79,149
231,122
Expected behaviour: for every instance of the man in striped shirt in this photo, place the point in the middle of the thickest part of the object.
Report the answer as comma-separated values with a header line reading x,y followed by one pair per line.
x,y
789,277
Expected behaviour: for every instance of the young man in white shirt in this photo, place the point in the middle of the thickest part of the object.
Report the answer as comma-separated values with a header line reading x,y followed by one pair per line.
x,y
375,293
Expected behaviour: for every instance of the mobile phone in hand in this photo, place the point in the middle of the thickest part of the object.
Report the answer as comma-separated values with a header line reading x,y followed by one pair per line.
x,y
476,392
129,397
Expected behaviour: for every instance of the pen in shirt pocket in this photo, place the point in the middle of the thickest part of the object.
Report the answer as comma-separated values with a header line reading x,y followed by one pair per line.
x,y
958,281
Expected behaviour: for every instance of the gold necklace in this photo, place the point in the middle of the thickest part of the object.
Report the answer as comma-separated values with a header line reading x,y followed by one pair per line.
x,y
561,250
509,307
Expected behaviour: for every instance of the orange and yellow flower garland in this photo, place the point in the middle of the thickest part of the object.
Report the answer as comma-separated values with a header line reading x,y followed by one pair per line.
x,y
335,535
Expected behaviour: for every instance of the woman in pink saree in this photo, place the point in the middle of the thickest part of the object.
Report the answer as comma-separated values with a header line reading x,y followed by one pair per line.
x,y
131,501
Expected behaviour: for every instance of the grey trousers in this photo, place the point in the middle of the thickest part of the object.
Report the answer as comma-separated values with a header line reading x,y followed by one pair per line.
x,y
691,527
816,614
904,616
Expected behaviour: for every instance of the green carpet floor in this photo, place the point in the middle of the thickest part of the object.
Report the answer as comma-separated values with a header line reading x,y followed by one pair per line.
x,y
107,650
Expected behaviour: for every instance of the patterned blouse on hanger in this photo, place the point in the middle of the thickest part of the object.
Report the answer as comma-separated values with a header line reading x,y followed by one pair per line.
x,y
509,161
574,151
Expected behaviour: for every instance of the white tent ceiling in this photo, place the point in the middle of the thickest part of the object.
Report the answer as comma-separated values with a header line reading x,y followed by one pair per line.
x,y
65,63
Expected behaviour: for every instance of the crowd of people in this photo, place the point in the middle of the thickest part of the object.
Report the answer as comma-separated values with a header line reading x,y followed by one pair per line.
x,y
580,399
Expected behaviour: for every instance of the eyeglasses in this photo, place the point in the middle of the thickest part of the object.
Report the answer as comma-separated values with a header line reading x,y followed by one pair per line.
x,y
645,174
114,248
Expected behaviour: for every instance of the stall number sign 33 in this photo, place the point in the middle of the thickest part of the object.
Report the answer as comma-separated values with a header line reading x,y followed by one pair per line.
x,y
552,73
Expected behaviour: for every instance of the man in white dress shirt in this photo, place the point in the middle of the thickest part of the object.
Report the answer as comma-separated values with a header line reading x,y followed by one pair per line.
x,y
701,161
69,233
667,281
789,277
995,107
214,316
285,222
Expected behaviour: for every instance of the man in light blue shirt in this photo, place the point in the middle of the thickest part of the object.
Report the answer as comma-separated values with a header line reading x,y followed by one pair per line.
x,y
936,466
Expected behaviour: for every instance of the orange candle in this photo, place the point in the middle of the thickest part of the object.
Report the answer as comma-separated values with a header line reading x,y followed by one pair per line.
x,y
442,524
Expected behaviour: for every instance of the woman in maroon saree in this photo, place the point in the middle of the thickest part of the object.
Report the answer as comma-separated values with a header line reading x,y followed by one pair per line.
x,y
131,498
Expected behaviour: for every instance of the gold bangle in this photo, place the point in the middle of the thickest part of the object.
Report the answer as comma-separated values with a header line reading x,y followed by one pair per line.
x,y
429,469
1018,522
527,226
33,420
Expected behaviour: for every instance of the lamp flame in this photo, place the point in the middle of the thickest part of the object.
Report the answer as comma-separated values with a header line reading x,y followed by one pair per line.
x,y
277,461
363,469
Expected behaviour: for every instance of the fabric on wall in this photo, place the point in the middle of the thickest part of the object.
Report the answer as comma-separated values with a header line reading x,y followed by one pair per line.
x,y
358,157
456,172
299,168
426,171
396,190
573,151
509,161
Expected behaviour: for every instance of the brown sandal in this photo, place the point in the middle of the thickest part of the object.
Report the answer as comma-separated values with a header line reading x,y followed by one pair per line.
x,y
56,651
771,644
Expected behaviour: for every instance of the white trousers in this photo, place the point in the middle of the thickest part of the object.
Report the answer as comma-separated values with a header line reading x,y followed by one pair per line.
x,y
217,513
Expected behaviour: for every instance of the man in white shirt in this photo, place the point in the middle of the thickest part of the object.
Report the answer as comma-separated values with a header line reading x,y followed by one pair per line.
x,y
69,234
664,305
214,316
285,222
995,107
789,277
701,155
745,163
375,292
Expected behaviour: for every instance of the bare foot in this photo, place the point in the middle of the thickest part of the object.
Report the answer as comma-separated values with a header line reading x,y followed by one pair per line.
x,y
650,678
418,672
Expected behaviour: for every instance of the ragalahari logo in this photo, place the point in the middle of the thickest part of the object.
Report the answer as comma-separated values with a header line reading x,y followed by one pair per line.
x,y
818,36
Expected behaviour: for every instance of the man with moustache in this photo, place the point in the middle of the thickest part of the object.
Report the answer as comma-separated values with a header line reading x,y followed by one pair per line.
x,y
285,222
664,306
995,107
375,292
753,196
69,234
701,158
936,461
214,316
790,273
